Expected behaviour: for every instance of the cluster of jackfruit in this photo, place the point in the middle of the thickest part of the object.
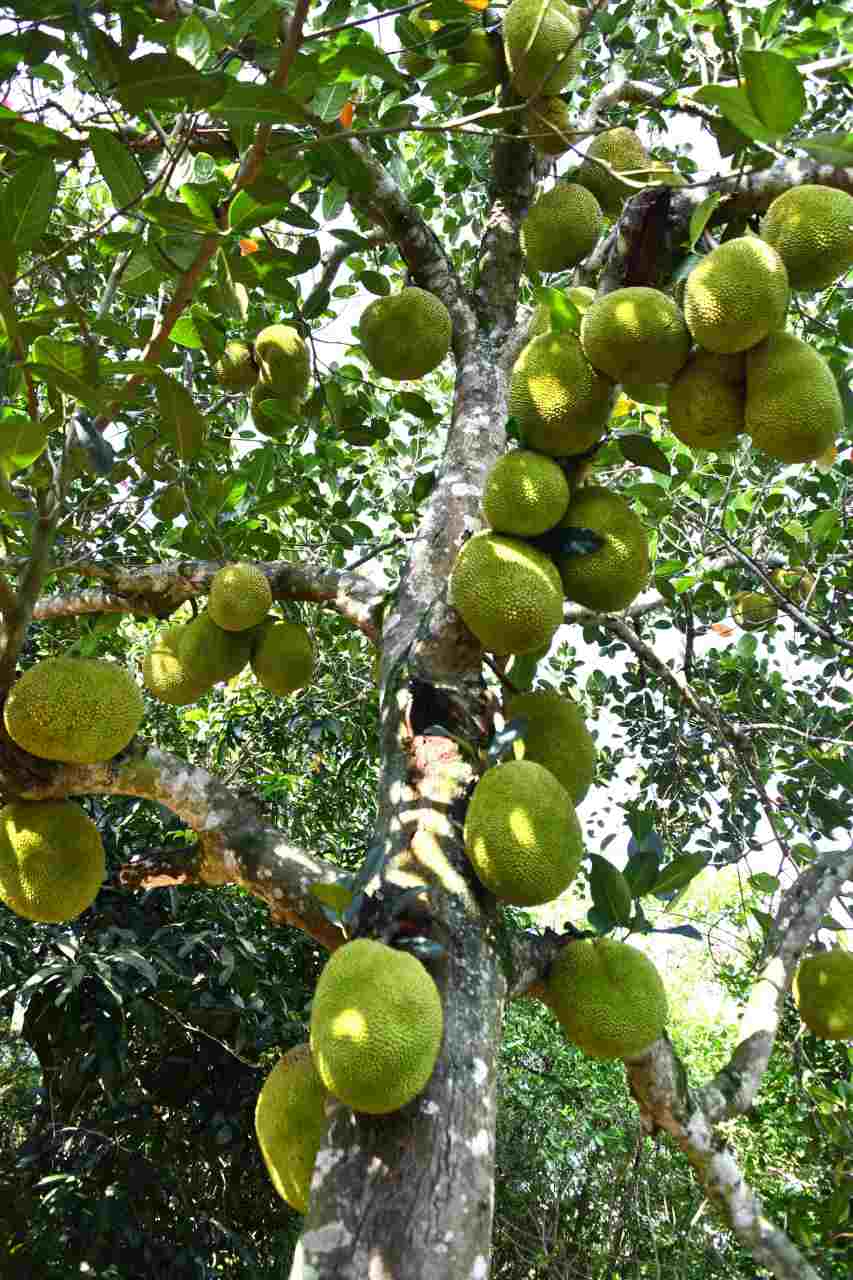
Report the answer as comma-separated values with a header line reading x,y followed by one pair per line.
x,y
275,368
405,335
476,50
186,660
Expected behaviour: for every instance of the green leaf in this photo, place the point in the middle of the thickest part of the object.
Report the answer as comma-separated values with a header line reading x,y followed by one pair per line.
x,y
174,215
375,282
641,871
829,148
678,873
737,109
192,41
181,415
356,60
164,77
643,452
611,893
68,384
69,357
199,206
27,202
259,104
844,325
21,442
565,317
120,171
774,87
763,882
700,216
770,18
295,216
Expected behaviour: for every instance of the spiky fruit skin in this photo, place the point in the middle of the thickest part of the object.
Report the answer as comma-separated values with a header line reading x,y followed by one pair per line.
x,y
235,369
240,597
283,660
534,41
823,990
614,575
480,50
284,363
793,406
77,710
561,402
290,1120
736,296
811,228
406,335
796,583
525,494
707,400
271,413
562,227
753,611
556,737
540,322
211,654
522,835
166,674
51,860
547,124
608,998
507,593
635,333
624,152
376,1026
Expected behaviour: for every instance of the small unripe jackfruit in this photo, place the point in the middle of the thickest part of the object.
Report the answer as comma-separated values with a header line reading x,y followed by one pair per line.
x,y
613,575
290,1120
283,660
623,151
406,335
526,493
823,989
51,859
240,597
753,611
478,50
211,654
507,593
547,122
235,368
166,673
811,228
556,737
736,296
284,363
608,998
561,228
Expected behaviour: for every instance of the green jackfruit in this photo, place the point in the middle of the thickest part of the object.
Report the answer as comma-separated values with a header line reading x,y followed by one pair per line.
x,y
166,674
811,228
419,57
608,998
637,334
211,654
51,860
522,835
406,335
547,123
823,989
78,710
283,660
235,368
376,1026
542,45
290,1120
525,494
793,406
507,593
556,737
753,611
796,583
707,400
736,296
239,598
285,367
271,414
561,403
561,228
478,50
623,151
614,575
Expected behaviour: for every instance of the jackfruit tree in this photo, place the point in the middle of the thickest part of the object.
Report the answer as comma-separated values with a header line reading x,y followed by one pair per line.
x,y
425,497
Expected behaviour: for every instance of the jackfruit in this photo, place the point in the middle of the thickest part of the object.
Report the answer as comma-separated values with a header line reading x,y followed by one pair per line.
x,y
284,363
507,593
51,860
78,710
623,151
406,335
270,413
556,737
166,674
418,58
376,1026
283,660
561,402
478,50
793,406
235,368
561,228
736,296
239,598
211,654
811,228
753,611
611,577
796,583
170,502
707,400
608,998
635,333
823,990
542,45
522,835
547,123
290,1120
525,494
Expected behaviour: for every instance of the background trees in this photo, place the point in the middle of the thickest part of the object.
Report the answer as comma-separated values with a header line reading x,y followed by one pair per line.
x,y
178,176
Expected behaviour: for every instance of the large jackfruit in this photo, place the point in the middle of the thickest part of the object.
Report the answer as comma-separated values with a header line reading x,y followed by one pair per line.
x,y
166,673
811,228
608,998
240,597
283,658
211,654
736,296
406,335
793,406
542,45
561,228
823,989
235,368
753,611
78,710
478,50
507,593
285,367
376,1026
707,400
547,123
556,737
525,494
290,1120
623,151
635,334
612,576
51,860
522,835
562,404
